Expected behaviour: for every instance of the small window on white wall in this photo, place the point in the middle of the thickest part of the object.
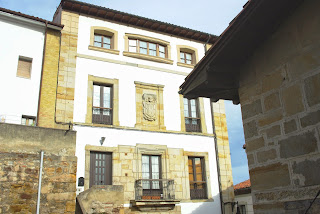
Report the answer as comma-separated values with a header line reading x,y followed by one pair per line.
x,y
24,67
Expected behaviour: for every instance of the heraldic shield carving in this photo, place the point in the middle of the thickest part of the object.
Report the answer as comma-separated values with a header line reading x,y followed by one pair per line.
x,y
149,103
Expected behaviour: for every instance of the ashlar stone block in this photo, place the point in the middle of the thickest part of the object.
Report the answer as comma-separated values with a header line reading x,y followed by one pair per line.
x,y
290,126
312,88
272,101
309,169
310,119
252,109
297,145
267,177
292,98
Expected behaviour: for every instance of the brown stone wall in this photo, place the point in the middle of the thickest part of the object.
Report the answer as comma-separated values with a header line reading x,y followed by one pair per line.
x,y
19,183
279,94
20,148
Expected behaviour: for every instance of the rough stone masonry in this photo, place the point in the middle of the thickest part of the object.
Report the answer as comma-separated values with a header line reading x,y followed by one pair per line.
x,y
20,148
279,92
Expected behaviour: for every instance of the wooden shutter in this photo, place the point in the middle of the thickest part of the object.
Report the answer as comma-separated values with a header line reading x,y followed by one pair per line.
x,y
24,68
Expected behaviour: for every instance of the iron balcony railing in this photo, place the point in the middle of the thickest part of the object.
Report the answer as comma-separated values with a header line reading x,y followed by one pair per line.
x,y
154,189
198,190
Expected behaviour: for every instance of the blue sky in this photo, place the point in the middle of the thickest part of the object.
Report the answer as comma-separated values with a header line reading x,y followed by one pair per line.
x,y
211,16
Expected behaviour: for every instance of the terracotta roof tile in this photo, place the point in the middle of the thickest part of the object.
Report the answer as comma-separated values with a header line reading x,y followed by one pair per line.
x,y
242,185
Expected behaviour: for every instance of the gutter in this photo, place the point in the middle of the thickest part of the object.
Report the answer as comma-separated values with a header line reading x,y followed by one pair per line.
x,y
42,23
55,105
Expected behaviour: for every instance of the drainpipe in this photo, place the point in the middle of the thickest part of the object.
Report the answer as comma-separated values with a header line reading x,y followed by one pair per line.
x,y
55,107
40,179
205,45
42,66
217,157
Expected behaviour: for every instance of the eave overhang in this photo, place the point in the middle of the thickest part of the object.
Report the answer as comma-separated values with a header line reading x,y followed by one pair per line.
x,y
27,18
135,21
216,76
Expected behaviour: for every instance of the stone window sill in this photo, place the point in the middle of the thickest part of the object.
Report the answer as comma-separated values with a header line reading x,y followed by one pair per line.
x,y
154,205
185,65
111,51
148,57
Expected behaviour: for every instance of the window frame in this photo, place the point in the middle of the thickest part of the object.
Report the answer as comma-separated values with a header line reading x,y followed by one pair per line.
x,y
151,191
23,59
201,115
185,57
190,50
28,118
242,207
189,127
204,180
115,98
137,54
94,118
107,32
102,40
138,47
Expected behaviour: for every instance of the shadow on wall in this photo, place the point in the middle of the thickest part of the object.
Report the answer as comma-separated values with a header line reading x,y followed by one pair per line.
x,y
210,207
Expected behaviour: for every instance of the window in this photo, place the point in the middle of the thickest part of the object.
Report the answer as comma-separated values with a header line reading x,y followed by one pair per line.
x,y
100,168
28,120
191,115
198,187
102,41
102,104
186,58
24,67
151,174
242,209
148,48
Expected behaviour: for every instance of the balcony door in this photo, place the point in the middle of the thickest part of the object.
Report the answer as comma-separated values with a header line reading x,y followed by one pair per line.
x,y
151,173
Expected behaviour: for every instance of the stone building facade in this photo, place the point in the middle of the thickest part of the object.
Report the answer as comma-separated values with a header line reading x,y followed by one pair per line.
x,y
142,147
146,117
278,88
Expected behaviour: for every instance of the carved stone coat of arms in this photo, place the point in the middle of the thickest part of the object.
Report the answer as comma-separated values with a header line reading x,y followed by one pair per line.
x,y
149,103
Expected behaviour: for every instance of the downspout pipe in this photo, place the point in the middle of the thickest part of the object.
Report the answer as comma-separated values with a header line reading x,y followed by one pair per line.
x,y
40,180
42,67
217,158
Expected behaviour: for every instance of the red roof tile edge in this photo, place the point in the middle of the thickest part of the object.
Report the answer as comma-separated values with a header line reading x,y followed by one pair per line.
x,y
243,185
30,17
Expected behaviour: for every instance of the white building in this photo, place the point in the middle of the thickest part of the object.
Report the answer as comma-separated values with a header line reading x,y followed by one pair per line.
x,y
119,78
243,197
21,56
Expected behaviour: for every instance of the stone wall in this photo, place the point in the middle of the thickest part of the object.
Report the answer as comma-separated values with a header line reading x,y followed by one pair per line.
x,y
223,150
279,94
126,163
46,117
20,148
67,66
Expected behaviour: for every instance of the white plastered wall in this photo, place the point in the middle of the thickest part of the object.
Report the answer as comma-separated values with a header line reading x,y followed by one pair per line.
x,y
19,95
127,104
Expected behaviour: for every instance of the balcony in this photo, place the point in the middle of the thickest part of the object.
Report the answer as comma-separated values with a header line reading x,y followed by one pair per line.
x,y
154,195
